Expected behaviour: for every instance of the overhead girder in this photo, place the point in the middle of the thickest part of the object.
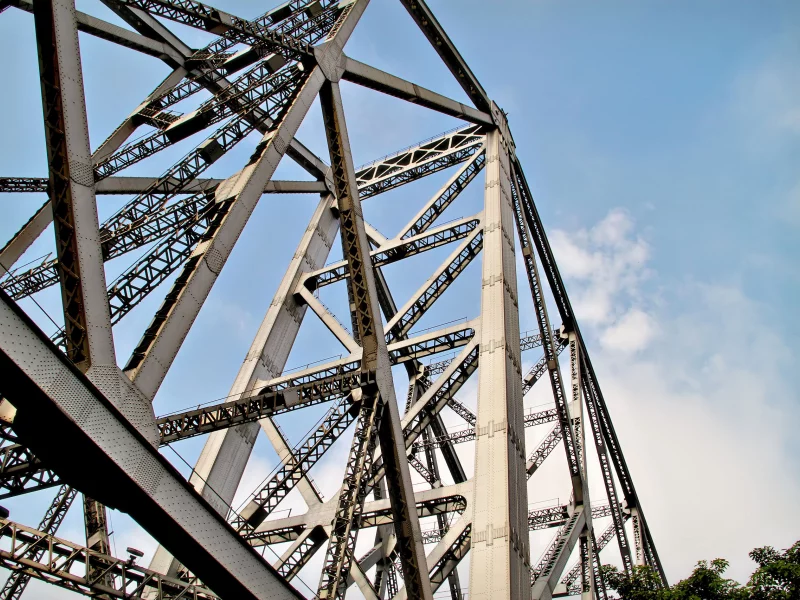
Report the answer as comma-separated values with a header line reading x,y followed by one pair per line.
x,y
37,554
368,76
431,156
413,310
399,250
51,521
124,185
58,407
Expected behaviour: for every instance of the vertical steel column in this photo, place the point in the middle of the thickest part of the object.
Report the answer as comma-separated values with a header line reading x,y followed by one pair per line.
x,y
370,425
500,546
71,186
588,591
87,320
638,544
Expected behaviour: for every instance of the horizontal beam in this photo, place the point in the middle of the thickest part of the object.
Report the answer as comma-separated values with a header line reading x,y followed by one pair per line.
x,y
440,152
69,565
138,185
301,389
375,79
396,250
468,434
113,33
58,408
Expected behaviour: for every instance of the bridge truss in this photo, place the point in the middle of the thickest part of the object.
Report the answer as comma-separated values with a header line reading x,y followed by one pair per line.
x,y
404,481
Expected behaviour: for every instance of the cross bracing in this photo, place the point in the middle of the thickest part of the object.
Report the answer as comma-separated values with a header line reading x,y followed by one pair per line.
x,y
413,513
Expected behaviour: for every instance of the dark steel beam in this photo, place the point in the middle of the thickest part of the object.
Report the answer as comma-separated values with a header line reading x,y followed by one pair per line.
x,y
57,406
368,330
440,41
40,555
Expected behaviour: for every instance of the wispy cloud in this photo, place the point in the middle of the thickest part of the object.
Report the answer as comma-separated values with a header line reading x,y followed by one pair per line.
x,y
603,264
703,415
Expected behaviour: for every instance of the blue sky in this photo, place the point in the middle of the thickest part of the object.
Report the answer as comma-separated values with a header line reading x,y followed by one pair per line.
x,y
662,142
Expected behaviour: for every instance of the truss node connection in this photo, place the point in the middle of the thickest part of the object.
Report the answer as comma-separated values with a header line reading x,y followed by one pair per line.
x,y
407,519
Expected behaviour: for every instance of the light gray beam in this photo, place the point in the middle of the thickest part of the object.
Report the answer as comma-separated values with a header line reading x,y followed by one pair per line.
x,y
500,544
222,461
557,555
32,229
58,408
136,185
370,77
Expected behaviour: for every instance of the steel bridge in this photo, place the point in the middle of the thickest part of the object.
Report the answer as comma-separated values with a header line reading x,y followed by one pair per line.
x,y
67,404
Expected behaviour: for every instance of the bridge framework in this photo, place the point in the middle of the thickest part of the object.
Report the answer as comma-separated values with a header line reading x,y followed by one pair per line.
x,y
68,392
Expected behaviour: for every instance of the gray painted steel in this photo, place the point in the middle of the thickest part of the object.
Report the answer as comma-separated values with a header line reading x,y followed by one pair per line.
x,y
263,75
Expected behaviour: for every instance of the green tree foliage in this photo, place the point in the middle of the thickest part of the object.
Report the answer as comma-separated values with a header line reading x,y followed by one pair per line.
x,y
642,584
778,574
707,583
777,577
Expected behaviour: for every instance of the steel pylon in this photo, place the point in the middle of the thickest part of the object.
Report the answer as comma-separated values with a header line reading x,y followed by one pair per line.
x,y
405,480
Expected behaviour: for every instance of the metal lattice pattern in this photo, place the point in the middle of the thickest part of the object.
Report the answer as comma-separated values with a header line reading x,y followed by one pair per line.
x,y
261,76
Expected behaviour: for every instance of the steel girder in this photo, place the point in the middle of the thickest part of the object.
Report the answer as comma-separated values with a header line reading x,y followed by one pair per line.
x,y
278,63
57,405
18,580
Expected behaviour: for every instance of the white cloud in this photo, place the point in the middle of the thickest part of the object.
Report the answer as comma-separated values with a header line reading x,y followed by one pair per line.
x,y
630,333
605,267
704,416
789,209
768,96
705,423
